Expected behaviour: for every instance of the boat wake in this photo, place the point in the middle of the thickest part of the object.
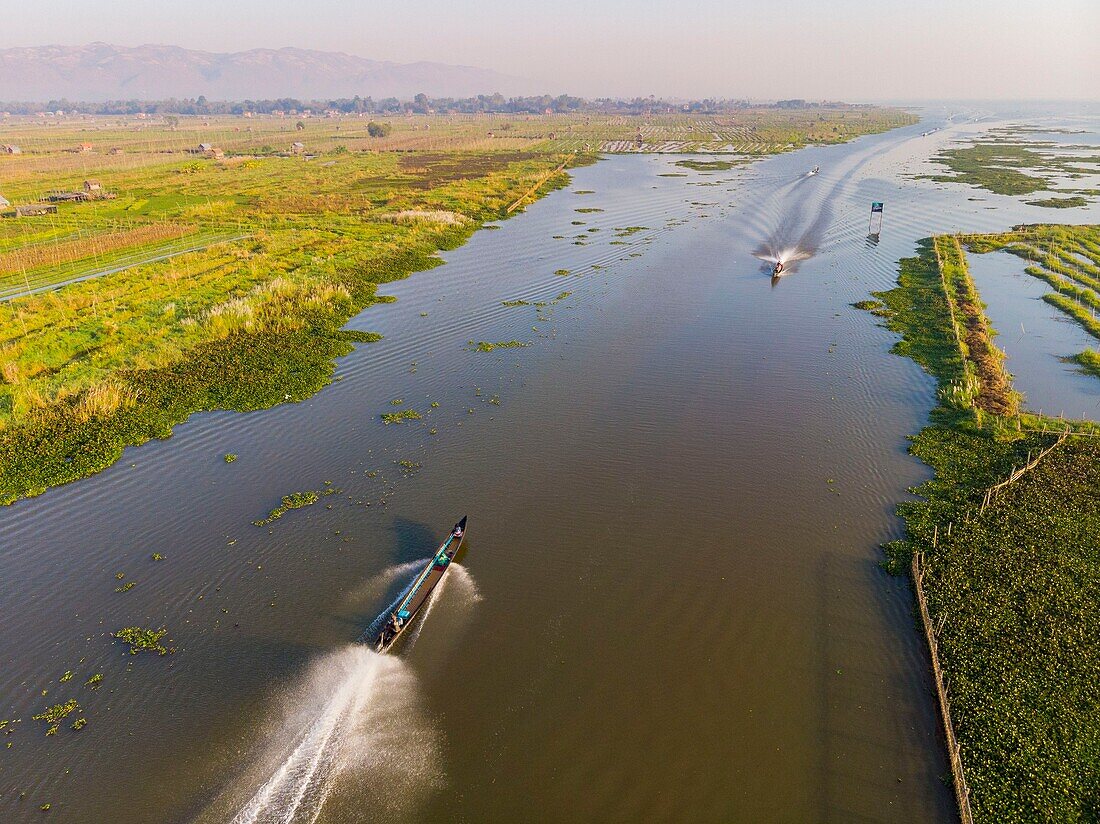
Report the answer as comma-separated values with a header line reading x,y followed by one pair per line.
x,y
354,718
464,595
787,256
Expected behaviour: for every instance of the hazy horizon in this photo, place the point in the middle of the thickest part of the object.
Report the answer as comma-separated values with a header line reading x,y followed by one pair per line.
x,y
855,51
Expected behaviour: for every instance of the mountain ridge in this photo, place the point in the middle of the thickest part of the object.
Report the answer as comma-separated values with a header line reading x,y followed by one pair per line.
x,y
98,71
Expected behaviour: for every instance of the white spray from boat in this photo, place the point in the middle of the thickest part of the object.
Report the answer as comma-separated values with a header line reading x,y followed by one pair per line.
x,y
466,593
354,712
785,256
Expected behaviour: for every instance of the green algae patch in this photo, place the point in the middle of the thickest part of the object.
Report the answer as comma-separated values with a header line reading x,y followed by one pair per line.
x,y
400,417
53,716
1060,202
295,500
141,639
489,346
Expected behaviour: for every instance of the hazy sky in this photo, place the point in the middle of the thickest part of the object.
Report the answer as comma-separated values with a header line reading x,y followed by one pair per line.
x,y
849,49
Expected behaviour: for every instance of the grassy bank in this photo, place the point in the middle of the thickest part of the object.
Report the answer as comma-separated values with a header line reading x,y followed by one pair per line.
x,y
97,366
1011,578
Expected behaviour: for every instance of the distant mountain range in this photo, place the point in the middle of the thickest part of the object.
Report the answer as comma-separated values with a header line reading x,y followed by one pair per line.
x,y
100,71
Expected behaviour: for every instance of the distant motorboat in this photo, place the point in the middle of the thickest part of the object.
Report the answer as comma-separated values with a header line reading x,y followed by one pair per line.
x,y
815,170
777,270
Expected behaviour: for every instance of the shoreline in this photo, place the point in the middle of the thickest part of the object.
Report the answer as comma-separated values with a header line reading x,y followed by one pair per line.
x,y
242,372
997,547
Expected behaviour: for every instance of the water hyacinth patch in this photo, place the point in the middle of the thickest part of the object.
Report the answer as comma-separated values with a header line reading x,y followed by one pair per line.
x,y
142,640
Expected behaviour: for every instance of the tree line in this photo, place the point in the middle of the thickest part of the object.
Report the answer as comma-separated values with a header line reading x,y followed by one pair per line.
x,y
419,104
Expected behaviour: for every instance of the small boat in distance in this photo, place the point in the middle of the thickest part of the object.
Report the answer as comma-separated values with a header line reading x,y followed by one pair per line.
x,y
815,170
421,590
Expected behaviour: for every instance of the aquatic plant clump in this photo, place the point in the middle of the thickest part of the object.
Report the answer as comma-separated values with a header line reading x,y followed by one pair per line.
x,y
712,165
489,346
1060,202
295,500
53,716
142,640
400,417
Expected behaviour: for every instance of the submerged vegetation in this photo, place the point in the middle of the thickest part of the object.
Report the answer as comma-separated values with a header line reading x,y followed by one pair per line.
x,y
1008,536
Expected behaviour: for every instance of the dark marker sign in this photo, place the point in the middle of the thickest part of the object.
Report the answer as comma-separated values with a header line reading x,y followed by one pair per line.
x,y
876,206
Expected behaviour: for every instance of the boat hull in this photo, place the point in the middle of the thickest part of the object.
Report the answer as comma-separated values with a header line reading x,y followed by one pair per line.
x,y
417,596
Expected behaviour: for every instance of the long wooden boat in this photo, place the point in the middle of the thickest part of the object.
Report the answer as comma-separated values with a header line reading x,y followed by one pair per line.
x,y
406,610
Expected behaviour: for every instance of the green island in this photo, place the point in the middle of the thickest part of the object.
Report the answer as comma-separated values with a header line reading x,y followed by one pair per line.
x,y
1003,544
210,262
1006,162
297,500
710,165
143,640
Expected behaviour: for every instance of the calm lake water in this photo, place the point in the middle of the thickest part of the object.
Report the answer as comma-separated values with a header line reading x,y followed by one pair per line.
x,y
670,607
